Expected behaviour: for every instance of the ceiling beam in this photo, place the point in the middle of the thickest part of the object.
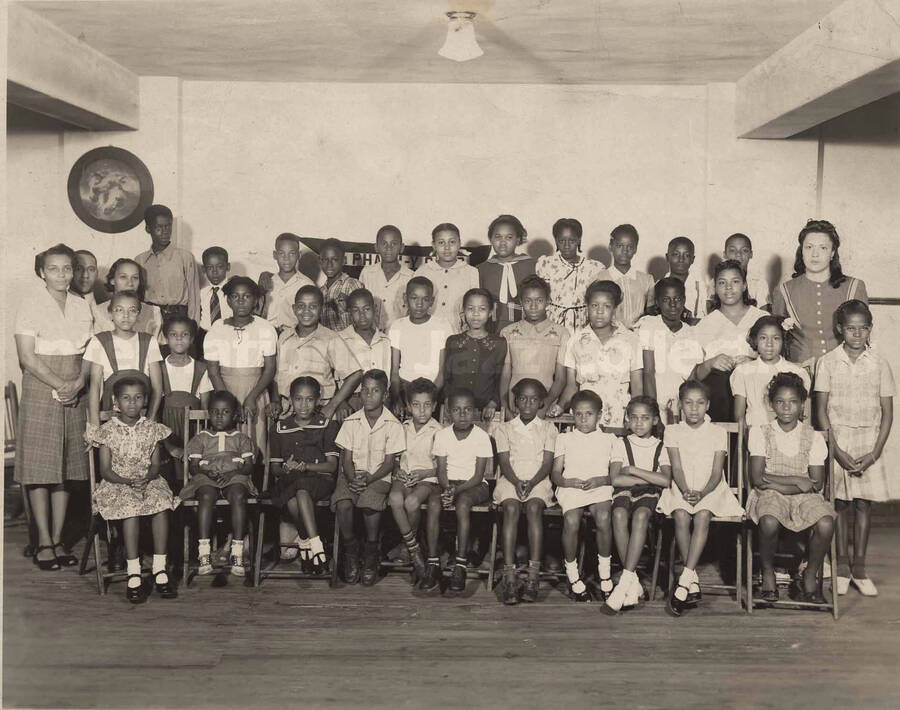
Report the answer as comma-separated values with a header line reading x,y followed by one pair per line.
x,y
850,58
52,73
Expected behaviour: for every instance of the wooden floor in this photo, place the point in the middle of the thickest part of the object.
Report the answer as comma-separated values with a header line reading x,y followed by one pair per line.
x,y
299,644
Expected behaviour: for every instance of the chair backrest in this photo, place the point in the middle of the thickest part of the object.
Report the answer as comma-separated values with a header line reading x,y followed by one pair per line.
x,y
734,460
12,416
93,452
194,421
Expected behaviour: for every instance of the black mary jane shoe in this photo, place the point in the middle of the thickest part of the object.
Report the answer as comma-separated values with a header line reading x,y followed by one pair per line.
x,y
138,594
584,596
166,589
694,598
65,559
50,565
674,606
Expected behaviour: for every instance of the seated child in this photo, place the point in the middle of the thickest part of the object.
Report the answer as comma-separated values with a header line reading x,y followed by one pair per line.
x,y
536,346
417,341
463,452
338,285
220,463
639,471
131,487
787,472
502,273
582,454
304,460
279,290
415,482
370,346
697,450
213,303
474,358
450,276
386,280
750,379
370,440
525,447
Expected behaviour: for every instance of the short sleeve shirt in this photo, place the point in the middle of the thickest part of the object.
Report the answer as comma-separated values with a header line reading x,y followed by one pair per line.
x,y
674,354
450,285
854,388
215,444
55,331
322,354
635,285
643,450
310,443
370,356
697,449
370,444
751,379
127,355
387,294
420,346
280,300
586,455
535,349
476,364
462,454
240,347
334,310
526,444
787,442
719,335
181,378
419,453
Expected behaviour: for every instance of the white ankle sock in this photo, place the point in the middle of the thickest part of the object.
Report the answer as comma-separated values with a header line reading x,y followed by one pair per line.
x,y
303,543
203,546
315,546
237,549
617,596
133,567
573,575
159,566
694,584
604,566
684,582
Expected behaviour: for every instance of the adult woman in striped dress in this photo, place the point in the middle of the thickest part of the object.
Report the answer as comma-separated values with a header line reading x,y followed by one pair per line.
x,y
52,330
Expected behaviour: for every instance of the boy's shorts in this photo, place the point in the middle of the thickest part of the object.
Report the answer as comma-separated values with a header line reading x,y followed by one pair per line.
x,y
373,497
636,497
479,495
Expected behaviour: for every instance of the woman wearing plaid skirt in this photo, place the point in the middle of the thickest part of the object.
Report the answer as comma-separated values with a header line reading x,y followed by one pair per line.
x,y
52,330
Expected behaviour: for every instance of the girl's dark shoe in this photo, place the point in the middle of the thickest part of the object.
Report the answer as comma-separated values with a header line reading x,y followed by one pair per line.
x,y
432,579
510,596
584,596
50,565
319,563
675,606
798,594
351,562
531,589
694,597
166,589
458,579
370,564
138,594
65,559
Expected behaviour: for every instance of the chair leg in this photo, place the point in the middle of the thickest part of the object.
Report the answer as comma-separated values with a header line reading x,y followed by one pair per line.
x,y
738,564
671,568
88,544
656,559
749,539
186,563
492,552
335,551
29,521
834,594
257,558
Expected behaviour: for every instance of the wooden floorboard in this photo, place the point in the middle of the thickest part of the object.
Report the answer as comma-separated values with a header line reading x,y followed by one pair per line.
x,y
295,643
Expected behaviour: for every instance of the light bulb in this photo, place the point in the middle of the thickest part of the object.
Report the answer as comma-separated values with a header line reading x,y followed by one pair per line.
x,y
461,45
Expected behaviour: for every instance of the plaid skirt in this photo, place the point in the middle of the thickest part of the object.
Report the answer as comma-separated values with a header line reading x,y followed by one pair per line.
x,y
50,446
874,484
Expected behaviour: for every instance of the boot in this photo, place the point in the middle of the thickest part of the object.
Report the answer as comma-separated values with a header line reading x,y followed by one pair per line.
x,y
370,564
351,562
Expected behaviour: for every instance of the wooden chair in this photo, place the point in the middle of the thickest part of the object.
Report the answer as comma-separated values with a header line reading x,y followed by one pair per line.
x,y
734,465
11,399
194,419
264,503
750,527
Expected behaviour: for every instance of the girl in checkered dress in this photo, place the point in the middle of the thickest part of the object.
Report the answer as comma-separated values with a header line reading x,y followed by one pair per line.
x,y
856,401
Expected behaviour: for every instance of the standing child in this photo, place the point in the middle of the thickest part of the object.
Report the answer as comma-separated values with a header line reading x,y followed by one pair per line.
x,y
131,487
680,258
463,452
855,400
417,341
277,305
338,285
240,353
474,358
623,244
536,346
127,275
304,460
220,461
750,380
668,348
505,270
122,353
602,357
387,279
370,346
525,448
643,472
213,303
739,248
415,483
450,276
787,472
581,469
370,440
697,450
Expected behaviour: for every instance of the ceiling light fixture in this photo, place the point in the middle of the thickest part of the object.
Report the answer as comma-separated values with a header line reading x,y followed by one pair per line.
x,y
461,45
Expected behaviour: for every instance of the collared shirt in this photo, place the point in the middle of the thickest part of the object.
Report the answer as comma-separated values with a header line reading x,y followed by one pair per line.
x,y
535,349
181,377
370,356
371,444
476,364
206,300
697,448
334,312
751,379
56,331
279,307
786,442
311,443
127,355
322,354
643,450
586,454
526,444
240,347
462,454
696,293
388,295
854,388
605,368
419,453
450,285
635,285
568,283
674,356
172,278
491,275
213,444
719,334
420,346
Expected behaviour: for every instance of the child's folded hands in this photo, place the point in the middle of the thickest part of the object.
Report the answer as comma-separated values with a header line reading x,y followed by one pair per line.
x,y
595,482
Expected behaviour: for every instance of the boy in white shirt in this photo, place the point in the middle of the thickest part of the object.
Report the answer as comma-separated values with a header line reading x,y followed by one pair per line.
x,y
280,289
387,279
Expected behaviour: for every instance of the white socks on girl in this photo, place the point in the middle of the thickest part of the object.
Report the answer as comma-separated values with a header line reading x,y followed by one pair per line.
x,y
205,556
237,558
133,567
574,577
303,543
627,591
315,547
687,582
604,571
159,567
